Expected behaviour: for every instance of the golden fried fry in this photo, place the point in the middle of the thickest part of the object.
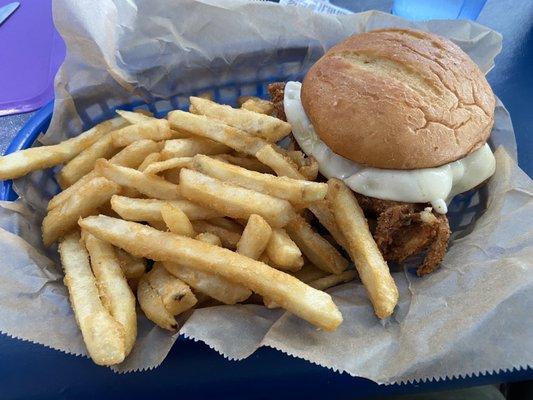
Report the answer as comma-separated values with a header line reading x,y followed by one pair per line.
x,y
113,287
229,238
134,117
153,129
256,124
176,220
90,196
176,295
310,304
333,280
83,163
149,185
131,157
172,163
189,147
280,164
150,209
153,307
210,284
250,163
200,125
326,218
282,251
256,104
317,249
22,162
228,224
233,201
103,336
254,238
363,250
208,237
133,267
294,190
149,160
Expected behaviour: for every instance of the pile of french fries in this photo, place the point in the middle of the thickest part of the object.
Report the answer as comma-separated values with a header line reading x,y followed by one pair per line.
x,y
199,208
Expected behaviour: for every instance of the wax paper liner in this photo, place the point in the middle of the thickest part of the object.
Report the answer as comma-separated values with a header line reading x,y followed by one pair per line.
x,y
469,317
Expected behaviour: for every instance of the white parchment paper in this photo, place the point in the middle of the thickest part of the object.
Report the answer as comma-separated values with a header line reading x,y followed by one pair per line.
x,y
471,316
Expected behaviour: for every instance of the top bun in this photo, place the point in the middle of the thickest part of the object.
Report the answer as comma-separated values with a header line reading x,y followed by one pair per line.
x,y
399,99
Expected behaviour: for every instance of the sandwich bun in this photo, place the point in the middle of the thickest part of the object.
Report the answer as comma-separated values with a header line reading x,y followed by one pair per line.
x,y
399,99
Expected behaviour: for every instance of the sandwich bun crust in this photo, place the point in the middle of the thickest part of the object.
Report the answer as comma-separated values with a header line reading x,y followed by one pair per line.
x,y
399,99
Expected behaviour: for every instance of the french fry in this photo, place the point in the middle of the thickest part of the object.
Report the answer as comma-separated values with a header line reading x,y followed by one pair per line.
x,y
293,190
141,115
130,156
307,166
129,192
159,225
107,210
233,201
363,250
309,304
153,307
200,125
22,162
83,163
282,251
205,282
309,273
333,280
250,163
176,220
310,168
317,249
134,117
133,155
150,209
254,238
265,259
132,267
153,129
228,224
208,237
292,164
298,157
279,163
102,335
284,166
150,185
321,283
90,196
208,283
189,147
114,290
260,125
172,163
149,160
257,105
326,218
176,295
229,238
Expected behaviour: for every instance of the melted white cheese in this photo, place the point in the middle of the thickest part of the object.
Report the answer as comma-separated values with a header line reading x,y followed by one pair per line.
x,y
427,185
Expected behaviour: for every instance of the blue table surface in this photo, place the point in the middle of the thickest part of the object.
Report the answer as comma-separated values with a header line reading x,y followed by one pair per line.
x,y
192,369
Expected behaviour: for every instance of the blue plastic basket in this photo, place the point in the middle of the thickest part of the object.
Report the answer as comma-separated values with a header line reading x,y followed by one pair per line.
x,y
463,211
